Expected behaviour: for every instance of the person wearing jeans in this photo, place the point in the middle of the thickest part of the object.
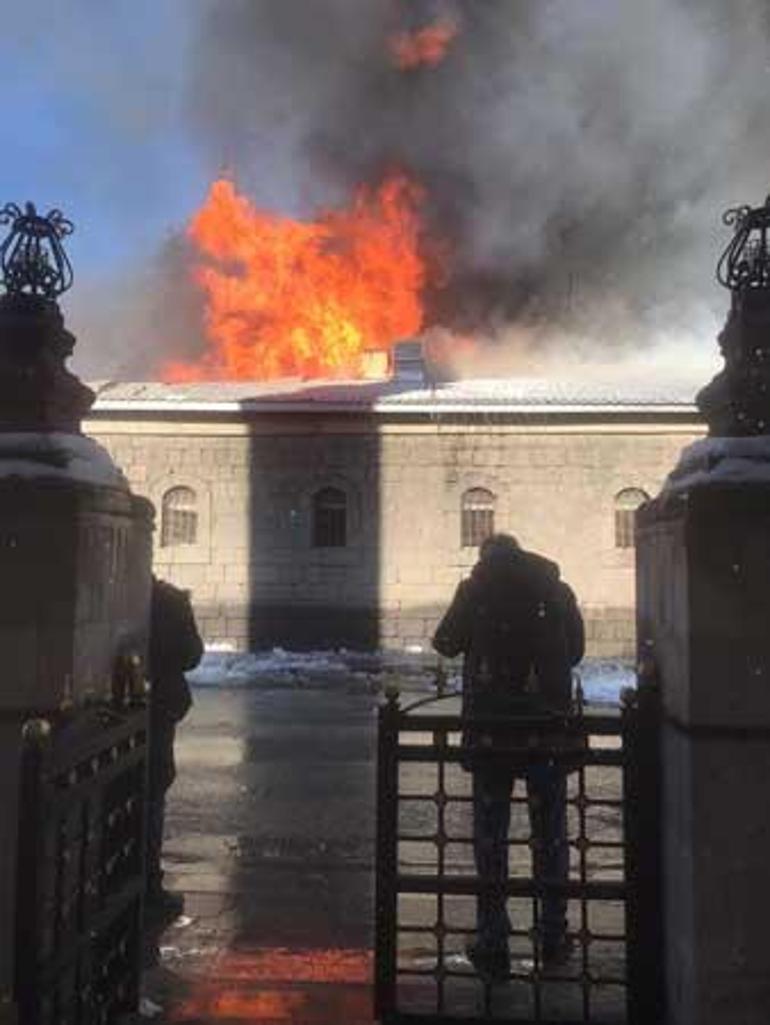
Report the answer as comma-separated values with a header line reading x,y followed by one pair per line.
x,y
520,631
547,801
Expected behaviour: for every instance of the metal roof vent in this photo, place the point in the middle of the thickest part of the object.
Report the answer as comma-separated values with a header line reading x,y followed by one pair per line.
x,y
409,363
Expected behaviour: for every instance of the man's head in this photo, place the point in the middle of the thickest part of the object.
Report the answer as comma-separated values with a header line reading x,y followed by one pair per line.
x,y
498,545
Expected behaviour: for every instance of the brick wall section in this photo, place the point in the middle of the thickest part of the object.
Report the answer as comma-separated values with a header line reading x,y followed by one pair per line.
x,y
257,581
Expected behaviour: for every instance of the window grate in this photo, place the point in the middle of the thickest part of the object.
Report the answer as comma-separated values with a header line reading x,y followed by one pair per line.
x,y
330,518
477,517
626,504
179,518
624,528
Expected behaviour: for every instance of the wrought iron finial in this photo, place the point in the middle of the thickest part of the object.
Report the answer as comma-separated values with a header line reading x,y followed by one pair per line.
x,y
745,263
32,258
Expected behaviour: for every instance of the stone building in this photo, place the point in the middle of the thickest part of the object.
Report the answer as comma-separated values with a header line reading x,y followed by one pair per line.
x,y
328,515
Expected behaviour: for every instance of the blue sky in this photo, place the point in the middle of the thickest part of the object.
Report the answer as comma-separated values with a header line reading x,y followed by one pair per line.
x,y
93,122
98,120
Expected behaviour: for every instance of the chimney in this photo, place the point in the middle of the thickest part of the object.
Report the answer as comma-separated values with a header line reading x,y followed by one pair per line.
x,y
409,363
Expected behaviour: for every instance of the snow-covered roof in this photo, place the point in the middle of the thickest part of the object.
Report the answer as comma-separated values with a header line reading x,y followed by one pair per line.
x,y
524,394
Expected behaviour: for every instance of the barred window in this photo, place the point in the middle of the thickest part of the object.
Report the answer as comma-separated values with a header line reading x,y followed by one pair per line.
x,y
478,517
330,518
179,517
626,504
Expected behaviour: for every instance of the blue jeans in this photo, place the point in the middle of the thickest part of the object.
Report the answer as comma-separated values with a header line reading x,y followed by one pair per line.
x,y
547,799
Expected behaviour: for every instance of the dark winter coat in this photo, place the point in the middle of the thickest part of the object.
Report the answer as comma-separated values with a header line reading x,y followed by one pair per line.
x,y
175,647
521,632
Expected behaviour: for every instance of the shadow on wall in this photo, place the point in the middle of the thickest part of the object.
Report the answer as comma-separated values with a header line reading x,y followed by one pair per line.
x,y
314,534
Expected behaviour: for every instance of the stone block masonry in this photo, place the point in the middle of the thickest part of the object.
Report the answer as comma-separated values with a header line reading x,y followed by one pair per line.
x,y
257,580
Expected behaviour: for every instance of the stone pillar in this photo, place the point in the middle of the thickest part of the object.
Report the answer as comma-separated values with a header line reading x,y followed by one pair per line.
x,y
703,610
75,564
10,761
703,579
75,544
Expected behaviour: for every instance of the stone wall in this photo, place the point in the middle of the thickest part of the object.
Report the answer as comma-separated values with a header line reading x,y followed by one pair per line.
x,y
257,581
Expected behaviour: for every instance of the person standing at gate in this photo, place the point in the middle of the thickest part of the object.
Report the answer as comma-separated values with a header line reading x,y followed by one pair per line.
x,y
175,647
520,631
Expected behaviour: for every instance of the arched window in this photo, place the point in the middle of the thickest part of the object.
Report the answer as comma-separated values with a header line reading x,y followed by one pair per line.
x,y
477,517
179,517
330,518
626,504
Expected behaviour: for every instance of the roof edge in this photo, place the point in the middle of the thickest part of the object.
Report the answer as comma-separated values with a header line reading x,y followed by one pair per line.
x,y
107,406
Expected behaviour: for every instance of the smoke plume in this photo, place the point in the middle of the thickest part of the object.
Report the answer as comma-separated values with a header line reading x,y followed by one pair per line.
x,y
577,154
127,326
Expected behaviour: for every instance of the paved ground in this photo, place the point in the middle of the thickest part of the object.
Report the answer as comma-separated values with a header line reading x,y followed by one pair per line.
x,y
270,835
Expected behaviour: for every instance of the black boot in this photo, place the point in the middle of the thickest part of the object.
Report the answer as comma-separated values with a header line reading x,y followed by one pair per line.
x,y
491,964
556,950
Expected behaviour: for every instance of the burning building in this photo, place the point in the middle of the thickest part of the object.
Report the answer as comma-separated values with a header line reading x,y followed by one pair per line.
x,y
484,174
343,513
320,484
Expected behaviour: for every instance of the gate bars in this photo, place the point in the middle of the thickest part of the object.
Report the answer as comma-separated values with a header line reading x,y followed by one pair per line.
x,y
81,868
426,883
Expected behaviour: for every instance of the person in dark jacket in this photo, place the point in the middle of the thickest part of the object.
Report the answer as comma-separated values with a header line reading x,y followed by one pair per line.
x,y
520,631
175,647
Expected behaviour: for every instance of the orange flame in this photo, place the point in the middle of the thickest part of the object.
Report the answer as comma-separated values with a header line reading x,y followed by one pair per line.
x,y
287,297
425,47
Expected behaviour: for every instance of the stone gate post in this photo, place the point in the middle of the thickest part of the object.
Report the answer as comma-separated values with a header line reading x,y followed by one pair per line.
x,y
704,614
703,607
75,544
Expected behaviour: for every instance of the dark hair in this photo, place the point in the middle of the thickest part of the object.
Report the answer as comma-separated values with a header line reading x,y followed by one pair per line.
x,y
498,544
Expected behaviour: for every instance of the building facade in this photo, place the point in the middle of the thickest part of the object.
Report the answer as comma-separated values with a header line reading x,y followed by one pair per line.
x,y
345,515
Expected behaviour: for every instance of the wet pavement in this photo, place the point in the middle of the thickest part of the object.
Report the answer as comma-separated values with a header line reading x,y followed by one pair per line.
x,y
270,836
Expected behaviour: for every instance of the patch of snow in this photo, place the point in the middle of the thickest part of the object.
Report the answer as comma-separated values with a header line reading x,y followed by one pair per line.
x,y
602,679
721,461
148,1008
60,456
172,953
223,668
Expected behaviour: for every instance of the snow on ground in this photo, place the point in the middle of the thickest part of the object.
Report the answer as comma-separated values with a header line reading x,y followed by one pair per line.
x,y
602,679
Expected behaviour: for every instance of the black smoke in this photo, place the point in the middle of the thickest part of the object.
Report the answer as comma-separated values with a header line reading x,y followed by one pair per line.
x,y
577,154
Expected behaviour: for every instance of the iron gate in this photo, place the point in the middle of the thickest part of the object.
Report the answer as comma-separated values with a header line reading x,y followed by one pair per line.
x,y
427,884
81,868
